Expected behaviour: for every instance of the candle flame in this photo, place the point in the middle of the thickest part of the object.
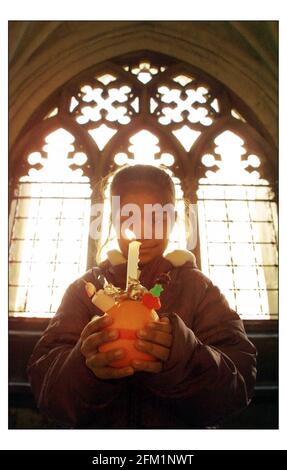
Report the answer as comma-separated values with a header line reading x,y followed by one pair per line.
x,y
130,234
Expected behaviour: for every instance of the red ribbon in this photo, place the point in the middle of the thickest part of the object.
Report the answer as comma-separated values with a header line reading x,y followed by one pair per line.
x,y
125,333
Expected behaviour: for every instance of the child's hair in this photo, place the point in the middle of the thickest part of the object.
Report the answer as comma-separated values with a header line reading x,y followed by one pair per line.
x,y
144,176
130,178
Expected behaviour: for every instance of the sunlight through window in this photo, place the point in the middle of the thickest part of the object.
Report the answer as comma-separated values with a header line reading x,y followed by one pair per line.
x,y
50,231
237,229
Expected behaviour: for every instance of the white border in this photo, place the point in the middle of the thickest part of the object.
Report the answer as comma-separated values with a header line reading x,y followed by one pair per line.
x,y
169,439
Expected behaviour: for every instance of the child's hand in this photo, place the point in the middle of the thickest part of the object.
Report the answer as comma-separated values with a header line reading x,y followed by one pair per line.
x,y
155,339
93,335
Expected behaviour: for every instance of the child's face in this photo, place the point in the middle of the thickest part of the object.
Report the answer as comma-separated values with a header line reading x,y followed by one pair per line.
x,y
150,247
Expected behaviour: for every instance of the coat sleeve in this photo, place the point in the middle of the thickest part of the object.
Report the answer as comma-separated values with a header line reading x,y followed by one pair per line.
x,y
64,388
211,370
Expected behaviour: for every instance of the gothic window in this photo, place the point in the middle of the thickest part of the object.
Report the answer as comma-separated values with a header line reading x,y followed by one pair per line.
x,y
237,224
50,228
150,109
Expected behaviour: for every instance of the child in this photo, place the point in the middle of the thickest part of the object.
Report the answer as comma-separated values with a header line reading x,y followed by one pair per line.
x,y
205,365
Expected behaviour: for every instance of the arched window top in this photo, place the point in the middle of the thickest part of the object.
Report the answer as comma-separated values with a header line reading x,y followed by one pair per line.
x,y
231,163
57,161
181,104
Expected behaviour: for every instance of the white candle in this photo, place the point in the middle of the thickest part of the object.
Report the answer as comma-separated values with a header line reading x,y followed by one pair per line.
x,y
133,257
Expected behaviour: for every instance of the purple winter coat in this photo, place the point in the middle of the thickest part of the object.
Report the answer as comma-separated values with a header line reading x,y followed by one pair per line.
x,y
210,372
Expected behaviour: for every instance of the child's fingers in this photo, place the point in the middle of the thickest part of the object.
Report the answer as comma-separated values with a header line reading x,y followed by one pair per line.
x,y
148,366
159,352
92,342
161,325
104,359
164,319
99,365
97,324
155,336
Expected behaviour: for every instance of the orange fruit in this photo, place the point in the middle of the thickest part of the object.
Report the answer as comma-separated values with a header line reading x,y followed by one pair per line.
x,y
129,316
